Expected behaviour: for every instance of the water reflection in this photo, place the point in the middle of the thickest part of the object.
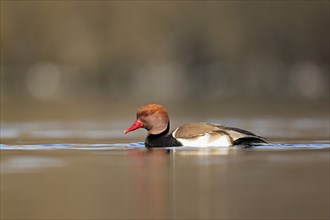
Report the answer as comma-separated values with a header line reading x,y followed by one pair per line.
x,y
23,164
170,183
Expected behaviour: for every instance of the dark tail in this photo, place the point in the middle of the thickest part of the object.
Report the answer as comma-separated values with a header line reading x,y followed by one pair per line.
x,y
249,140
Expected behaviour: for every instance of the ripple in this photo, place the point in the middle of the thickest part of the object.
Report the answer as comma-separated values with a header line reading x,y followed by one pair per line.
x,y
139,145
72,146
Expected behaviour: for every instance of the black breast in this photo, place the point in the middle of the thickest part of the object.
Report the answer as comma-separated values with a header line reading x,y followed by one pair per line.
x,y
163,139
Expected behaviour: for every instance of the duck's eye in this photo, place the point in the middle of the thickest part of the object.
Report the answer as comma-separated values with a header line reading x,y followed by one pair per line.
x,y
144,114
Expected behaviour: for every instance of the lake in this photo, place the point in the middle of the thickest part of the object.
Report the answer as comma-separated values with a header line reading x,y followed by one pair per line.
x,y
90,170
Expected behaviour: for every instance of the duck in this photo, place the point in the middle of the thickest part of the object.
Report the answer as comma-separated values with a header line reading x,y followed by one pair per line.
x,y
154,118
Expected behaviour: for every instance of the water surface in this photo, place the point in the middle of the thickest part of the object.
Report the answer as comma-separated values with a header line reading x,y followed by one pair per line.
x,y
90,170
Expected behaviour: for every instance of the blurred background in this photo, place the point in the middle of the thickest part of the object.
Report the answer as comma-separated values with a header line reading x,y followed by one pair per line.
x,y
97,59
74,72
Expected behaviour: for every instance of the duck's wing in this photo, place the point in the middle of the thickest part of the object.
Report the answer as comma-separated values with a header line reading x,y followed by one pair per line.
x,y
236,135
192,130
202,135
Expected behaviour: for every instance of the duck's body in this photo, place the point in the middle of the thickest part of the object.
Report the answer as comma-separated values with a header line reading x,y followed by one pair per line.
x,y
154,119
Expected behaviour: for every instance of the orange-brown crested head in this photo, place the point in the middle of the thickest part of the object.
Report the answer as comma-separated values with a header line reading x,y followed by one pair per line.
x,y
152,117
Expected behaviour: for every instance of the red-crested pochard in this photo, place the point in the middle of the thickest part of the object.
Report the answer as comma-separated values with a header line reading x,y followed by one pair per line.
x,y
155,120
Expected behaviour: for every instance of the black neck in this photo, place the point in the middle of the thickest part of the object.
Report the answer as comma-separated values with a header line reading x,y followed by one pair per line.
x,y
164,139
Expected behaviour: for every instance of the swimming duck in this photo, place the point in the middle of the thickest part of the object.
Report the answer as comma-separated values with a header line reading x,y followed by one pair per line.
x,y
155,120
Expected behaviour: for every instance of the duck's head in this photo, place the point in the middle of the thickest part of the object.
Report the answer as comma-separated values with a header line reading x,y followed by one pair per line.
x,y
152,117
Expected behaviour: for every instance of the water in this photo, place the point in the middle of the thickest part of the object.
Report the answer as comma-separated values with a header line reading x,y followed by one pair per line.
x,y
90,170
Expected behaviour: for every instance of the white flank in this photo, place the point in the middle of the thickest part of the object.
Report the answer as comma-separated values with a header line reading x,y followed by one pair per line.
x,y
206,141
